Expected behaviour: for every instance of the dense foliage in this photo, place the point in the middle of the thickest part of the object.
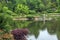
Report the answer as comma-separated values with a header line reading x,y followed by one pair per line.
x,y
20,7
11,8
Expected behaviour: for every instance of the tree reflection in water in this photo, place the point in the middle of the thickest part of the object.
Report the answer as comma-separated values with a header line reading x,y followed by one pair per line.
x,y
40,31
48,31
44,35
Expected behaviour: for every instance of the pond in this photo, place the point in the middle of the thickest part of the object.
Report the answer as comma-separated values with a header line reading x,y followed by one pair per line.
x,y
43,35
40,31
50,30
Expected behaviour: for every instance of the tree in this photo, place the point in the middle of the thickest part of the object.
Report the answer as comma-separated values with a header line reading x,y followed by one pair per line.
x,y
22,9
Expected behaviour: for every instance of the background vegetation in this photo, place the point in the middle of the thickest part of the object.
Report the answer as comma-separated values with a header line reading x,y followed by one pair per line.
x,y
9,9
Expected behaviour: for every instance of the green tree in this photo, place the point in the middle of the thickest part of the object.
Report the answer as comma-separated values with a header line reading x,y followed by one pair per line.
x,y
22,9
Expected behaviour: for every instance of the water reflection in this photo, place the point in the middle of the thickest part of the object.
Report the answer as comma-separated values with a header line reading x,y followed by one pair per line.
x,y
44,35
48,31
31,37
40,31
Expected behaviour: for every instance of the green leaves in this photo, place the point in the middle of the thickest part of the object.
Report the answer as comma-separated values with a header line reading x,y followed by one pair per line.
x,y
12,8
2,21
5,9
22,9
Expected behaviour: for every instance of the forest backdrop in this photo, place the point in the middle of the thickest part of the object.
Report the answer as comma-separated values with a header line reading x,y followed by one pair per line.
x,y
12,8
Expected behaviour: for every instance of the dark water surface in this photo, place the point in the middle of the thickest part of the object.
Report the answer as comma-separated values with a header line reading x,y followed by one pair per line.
x,y
43,35
40,31
50,30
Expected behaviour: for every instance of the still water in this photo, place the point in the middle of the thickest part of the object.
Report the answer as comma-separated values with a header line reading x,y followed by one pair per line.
x,y
43,35
50,30
40,31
